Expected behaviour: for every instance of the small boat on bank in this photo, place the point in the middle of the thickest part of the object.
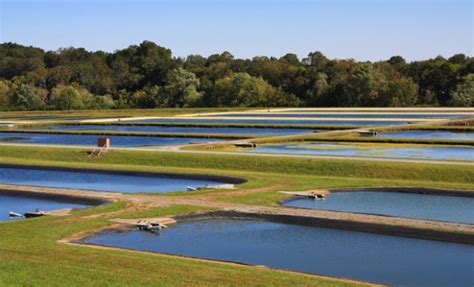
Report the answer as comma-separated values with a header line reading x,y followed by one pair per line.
x,y
192,188
33,214
14,214
149,226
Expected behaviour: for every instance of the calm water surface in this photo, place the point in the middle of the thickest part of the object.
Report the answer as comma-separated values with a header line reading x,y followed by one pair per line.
x,y
425,152
429,135
402,111
20,204
363,256
271,121
192,130
345,115
424,206
91,140
114,182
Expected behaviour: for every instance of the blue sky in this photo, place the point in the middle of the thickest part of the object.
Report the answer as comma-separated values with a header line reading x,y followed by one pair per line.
x,y
360,29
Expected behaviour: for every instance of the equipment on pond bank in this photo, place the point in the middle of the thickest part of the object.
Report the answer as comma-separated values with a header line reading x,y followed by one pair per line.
x,y
192,188
245,145
149,226
32,214
103,145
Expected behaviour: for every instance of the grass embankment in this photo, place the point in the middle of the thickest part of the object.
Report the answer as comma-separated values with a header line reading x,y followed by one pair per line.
x,y
190,125
353,136
356,138
109,113
245,165
133,134
31,256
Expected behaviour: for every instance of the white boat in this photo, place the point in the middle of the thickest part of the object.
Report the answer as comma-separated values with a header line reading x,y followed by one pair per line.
x,y
14,214
190,188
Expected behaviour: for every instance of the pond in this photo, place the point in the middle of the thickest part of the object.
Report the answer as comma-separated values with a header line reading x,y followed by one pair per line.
x,y
345,115
174,129
438,152
271,121
400,204
356,255
101,180
91,140
462,111
429,135
22,204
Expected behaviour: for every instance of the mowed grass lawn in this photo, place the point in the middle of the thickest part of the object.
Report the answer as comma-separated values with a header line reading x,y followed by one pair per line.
x,y
31,255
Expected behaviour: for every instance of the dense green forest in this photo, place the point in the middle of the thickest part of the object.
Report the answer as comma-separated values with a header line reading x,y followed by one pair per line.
x,y
148,76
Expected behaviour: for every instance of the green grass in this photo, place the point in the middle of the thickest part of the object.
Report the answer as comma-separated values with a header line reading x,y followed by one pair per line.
x,y
31,256
173,210
135,134
248,163
191,124
28,115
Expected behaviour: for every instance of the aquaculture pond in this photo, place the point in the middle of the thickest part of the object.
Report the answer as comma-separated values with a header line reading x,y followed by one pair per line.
x,y
100,181
423,206
91,140
191,130
468,112
439,152
361,256
23,204
345,115
429,135
272,121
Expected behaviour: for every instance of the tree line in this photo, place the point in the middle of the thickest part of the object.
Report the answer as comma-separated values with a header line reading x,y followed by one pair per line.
x,y
148,76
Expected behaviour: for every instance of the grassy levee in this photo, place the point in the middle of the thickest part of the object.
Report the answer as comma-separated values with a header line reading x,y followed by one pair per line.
x,y
364,139
189,124
352,136
26,115
447,125
248,163
31,256
132,134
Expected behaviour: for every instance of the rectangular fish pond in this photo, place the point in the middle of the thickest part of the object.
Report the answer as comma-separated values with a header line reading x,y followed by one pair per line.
x,y
174,129
113,181
463,111
91,140
361,256
270,121
18,203
393,203
345,115
437,152
455,135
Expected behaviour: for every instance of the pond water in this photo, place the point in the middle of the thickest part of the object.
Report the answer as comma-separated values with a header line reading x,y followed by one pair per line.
x,y
429,135
469,112
101,181
345,115
361,256
192,130
335,149
423,206
270,122
23,204
91,140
